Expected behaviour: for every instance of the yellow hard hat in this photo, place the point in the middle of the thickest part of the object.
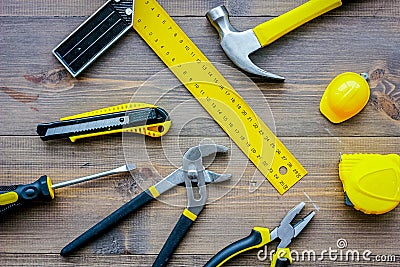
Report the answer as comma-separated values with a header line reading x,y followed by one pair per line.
x,y
371,182
346,95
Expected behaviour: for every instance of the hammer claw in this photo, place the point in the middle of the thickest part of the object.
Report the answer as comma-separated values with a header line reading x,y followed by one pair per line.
x,y
239,45
250,67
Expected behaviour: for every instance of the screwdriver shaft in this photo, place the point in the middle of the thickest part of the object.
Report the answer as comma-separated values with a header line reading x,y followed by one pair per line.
x,y
124,168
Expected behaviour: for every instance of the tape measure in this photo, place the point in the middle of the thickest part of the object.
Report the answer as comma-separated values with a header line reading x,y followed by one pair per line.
x,y
216,95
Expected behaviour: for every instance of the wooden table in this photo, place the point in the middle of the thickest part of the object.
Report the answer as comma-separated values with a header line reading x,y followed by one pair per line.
x,y
362,36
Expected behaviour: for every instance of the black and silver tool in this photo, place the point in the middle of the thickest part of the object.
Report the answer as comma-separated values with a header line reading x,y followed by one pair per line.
x,y
138,118
192,173
95,35
13,196
261,236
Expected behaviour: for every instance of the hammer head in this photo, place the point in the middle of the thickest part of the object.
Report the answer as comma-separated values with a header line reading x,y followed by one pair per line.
x,y
238,45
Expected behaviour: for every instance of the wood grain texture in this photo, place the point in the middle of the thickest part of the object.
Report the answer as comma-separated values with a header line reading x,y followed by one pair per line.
x,y
42,90
44,8
224,220
362,36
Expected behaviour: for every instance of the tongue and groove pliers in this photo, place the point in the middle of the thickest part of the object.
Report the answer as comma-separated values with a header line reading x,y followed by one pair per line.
x,y
261,236
192,173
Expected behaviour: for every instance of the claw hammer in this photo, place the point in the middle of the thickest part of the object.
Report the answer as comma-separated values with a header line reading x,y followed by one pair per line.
x,y
239,45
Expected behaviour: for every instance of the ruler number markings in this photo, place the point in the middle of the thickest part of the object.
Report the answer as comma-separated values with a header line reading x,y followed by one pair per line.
x,y
277,170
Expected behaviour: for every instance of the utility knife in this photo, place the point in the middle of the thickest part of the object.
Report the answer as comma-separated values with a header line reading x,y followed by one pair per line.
x,y
138,118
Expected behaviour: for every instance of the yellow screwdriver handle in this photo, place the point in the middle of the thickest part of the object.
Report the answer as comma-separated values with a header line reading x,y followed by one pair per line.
x,y
273,29
13,196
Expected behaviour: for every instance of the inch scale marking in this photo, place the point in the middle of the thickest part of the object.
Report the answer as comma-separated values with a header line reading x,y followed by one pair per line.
x,y
216,95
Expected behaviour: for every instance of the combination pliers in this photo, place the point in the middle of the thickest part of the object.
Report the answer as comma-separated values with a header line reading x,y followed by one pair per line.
x,y
261,236
192,173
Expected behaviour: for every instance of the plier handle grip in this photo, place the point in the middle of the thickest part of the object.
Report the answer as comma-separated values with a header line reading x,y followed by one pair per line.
x,y
261,236
191,173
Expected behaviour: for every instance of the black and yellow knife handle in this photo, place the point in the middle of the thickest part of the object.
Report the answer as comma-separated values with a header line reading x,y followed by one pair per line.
x,y
178,233
258,237
140,118
112,219
281,258
13,196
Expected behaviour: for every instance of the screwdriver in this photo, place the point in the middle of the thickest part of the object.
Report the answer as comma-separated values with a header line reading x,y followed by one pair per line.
x,y
13,196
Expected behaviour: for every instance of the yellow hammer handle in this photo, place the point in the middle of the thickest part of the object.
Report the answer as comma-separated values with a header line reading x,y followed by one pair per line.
x,y
273,29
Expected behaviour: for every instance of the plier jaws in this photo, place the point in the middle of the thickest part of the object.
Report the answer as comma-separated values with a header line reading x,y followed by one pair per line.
x,y
260,236
286,231
192,168
176,178
192,174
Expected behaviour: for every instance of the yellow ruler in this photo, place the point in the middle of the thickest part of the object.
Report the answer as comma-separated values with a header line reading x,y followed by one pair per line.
x,y
216,95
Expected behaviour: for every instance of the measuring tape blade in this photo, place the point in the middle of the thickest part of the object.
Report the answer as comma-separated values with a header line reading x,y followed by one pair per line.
x,y
216,95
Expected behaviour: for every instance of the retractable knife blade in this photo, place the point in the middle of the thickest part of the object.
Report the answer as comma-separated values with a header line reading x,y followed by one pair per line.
x,y
139,118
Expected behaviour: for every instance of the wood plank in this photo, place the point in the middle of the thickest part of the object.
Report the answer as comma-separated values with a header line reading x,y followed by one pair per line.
x,y
233,207
76,8
361,36
140,260
40,90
